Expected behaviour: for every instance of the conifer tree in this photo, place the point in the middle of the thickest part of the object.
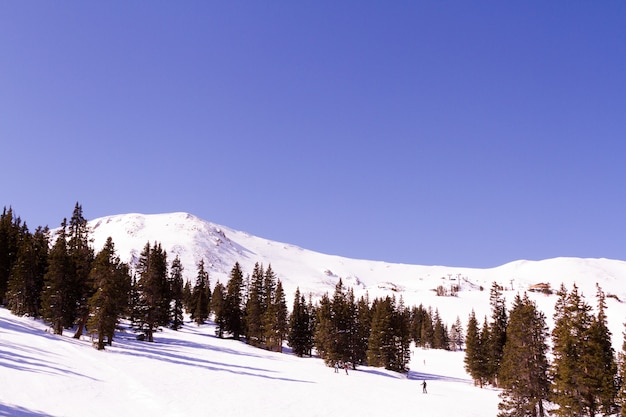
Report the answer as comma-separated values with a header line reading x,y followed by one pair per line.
x,y
57,308
621,395
276,328
233,303
475,358
363,325
187,295
380,351
524,366
300,336
111,280
200,304
418,316
254,308
176,290
427,331
218,301
154,295
599,363
570,385
28,271
81,256
324,329
402,338
497,332
441,339
10,227
456,334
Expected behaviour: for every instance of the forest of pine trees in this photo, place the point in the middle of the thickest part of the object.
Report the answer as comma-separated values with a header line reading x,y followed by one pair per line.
x,y
62,280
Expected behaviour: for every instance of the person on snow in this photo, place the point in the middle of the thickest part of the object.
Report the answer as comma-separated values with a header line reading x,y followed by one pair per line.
x,y
424,387
336,367
345,366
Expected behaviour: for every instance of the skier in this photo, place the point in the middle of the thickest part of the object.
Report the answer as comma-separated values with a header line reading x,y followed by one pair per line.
x,y
345,366
336,367
424,387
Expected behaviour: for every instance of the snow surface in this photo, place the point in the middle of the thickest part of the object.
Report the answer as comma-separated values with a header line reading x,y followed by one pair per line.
x,y
192,373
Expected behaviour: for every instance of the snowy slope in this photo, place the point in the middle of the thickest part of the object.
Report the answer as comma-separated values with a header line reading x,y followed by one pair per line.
x,y
192,373
192,239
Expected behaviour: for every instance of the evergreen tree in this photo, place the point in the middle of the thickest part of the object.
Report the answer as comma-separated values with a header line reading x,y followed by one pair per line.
x,y
456,335
621,395
154,295
402,338
177,293
380,351
324,329
81,257
218,302
427,331
441,339
363,325
298,326
570,388
276,329
524,366
10,227
27,274
200,297
233,303
475,358
254,308
187,296
598,363
111,281
418,316
497,332
56,308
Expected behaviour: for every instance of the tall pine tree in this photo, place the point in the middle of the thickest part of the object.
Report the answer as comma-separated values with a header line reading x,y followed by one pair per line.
x,y
524,366
111,282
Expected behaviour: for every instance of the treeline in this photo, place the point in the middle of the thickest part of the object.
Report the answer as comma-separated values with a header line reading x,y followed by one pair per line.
x,y
70,286
510,351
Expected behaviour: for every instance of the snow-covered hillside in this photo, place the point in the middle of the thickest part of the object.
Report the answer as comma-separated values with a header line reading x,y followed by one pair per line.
x,y
192,373
192,239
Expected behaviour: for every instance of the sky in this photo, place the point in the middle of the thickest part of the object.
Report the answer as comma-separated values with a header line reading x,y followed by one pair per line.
x,y
435,132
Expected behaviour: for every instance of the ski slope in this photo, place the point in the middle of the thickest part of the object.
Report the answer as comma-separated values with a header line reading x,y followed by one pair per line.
x,y
192,373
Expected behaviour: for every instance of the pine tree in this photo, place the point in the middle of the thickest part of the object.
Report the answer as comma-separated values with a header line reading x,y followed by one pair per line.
x,y
497,332
524,366
599,364
300,337
427,331
56,308
363,326
27,274
187,295
276,329
176,291
10,227
441,339
475,357
154,295
456,335
621,395
380,351
200,299
111,280
218,301
254,308
324,330
81,256
402,338
233,303
570,385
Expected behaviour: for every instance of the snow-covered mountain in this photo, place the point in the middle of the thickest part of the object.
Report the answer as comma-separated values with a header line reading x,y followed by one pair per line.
x,y
192,239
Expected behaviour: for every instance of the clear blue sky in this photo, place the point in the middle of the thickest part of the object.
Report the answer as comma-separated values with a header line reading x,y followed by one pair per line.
x,y
460,133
